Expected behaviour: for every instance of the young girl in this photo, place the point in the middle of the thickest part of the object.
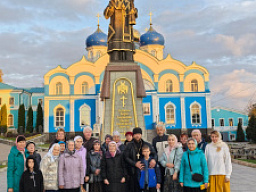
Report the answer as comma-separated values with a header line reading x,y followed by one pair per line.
x,y
171,160
93,168
49,168
113,170
32,179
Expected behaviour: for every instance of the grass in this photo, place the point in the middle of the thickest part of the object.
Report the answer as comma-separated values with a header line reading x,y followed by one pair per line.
x,y
3,166
8,138
249,160
46,145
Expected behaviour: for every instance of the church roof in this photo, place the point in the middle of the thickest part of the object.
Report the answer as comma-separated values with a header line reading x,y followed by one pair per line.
x,y
98,38
5,86
151,37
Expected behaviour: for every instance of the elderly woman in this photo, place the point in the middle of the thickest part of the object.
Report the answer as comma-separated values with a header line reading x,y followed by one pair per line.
x,y
49,167
16,164
219,164
79,148
171,160
71,169
117,139
108,138
197,135
113,170
193,168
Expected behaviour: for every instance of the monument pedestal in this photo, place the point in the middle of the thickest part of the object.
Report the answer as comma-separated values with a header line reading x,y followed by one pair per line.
x,y
122,92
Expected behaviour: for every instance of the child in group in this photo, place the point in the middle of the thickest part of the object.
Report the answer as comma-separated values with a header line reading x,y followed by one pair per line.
x,y
93,175
31,147
62,147
150,178
32,179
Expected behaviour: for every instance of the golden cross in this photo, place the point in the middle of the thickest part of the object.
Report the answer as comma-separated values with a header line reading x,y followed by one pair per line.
x,y
123,98
98,15
150,15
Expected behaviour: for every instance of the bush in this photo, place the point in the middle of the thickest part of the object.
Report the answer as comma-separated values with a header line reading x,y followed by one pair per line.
x,y
3,129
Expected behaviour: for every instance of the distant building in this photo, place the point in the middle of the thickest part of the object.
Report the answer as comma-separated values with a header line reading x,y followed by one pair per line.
x,y
226,120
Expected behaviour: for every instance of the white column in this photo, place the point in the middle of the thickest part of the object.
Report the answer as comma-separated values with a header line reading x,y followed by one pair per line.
x,y
183,114
71,115
155,111
46,115
208,111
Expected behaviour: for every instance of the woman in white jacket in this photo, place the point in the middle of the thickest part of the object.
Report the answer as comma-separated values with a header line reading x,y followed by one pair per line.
x,y
49,168
219,164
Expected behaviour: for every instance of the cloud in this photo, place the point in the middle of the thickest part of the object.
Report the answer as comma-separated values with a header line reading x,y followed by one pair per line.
x,y
239,47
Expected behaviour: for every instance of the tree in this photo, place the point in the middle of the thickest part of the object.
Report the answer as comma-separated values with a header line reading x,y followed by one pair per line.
x,y
39,117
240,137
21,119
251,129
3,118
29,127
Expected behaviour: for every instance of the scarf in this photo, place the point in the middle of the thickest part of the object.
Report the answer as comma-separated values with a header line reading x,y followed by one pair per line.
x,y
53,157
113,153
219,144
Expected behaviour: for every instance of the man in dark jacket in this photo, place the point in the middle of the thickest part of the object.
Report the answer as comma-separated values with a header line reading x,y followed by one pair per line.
x,y
60,136
88,139
160,143
132,156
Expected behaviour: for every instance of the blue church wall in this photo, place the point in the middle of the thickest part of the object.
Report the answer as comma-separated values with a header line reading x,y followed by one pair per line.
x,y
46,90
176,103
35,99
16,97
148,118
202,102
34,118
15,117
218,114
26,100
78,103
52,105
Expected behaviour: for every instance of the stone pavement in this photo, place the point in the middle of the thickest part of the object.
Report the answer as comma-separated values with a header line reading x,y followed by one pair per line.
x,y
4,151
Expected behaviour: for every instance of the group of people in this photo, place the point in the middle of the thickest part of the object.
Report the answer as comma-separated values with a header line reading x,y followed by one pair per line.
x,y
167,165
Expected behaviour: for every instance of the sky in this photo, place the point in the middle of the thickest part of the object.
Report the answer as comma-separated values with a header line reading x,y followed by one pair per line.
x,y
36,36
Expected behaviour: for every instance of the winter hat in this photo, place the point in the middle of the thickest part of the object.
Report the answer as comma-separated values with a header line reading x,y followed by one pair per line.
x,y
129,133
20,138
116,133
36,168
137,130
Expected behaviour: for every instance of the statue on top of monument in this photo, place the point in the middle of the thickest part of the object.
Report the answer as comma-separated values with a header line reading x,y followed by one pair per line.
x,y
122,14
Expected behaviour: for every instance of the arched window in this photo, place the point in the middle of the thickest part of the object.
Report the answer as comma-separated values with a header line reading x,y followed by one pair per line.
x,y
153,52
85,115
194,85
169,86
60,117
195,114
98,54
85,88
170,114
10,120
58,88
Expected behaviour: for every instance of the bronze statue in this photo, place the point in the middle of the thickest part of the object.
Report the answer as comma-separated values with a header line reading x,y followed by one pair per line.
x,y
122,15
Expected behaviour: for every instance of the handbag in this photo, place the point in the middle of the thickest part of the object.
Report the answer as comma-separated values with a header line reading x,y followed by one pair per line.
x,y
196,176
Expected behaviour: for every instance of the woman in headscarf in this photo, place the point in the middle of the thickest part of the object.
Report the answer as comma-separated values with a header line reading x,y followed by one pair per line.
x,y
71,169
113,169
193,168
93,171
219,164
16,164
49,167
171,160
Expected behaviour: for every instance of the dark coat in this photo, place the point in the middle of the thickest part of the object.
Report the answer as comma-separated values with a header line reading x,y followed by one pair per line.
x,y
93,163
31,182
37,158
113,169
88,144
131,158
202,145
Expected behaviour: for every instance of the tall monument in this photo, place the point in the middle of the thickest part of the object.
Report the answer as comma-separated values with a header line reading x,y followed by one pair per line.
x,y
122,88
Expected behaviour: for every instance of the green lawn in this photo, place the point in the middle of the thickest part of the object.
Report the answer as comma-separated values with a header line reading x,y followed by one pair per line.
x,y
3,166
46,145
249,160
8,138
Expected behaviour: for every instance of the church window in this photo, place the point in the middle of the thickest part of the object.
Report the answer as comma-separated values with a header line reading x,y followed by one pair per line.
x,y
230,122
11,101
10,120
59,88
153,52
169,86
170,114
60,117
195,114
85,115
85,88
98,54
146,108
213,123
222,122
194,85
